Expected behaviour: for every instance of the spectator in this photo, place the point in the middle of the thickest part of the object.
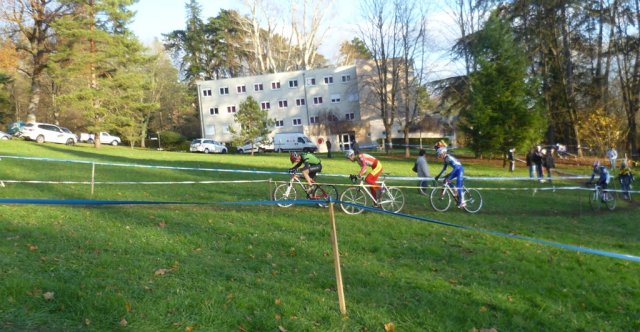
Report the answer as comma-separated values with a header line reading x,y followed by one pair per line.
x,y
548,162
530,164
612,154
625,178
512,159
328,148
422,168
537,160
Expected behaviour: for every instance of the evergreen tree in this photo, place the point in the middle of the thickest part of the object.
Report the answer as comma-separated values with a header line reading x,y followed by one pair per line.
x,y
503,110
254,122
100,66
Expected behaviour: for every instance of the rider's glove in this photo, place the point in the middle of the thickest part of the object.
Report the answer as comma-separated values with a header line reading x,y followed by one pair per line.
x,y
436,178
292,170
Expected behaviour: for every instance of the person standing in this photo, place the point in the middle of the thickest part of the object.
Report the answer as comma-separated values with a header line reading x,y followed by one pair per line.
x,y
612,154
530,164
512,159
328,148
537,160
548,162
422,168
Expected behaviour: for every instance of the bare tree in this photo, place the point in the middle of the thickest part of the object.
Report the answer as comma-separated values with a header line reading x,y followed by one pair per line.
x,y
307,31
29,23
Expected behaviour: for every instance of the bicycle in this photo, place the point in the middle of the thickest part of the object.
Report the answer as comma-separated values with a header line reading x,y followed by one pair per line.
x,y
599,197
424,187
389,198
287,191
441,198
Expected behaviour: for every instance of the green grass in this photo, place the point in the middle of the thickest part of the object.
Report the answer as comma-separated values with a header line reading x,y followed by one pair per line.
x,y
261,268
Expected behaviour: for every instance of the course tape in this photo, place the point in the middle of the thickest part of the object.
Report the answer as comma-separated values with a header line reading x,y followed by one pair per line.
x,y
131,182
395,178
85,202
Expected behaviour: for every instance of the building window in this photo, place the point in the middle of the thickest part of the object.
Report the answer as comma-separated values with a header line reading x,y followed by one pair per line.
x,y
213,110
350,116
279,123
346,78
328,80
241,88
293,83
265,105
335,99
297,122
282,103
332,117
225,129
258,87
314,119
231,109
317,100
311,81
275,85
224,90
206,92
300,102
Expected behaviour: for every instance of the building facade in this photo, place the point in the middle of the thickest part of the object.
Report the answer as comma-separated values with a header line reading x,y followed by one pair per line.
x,y
324,104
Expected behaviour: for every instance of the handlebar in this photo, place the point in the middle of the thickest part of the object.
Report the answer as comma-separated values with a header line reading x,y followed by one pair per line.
x,y
354,178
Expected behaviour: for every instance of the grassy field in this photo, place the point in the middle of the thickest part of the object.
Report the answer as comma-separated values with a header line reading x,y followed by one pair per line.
x,y
244,267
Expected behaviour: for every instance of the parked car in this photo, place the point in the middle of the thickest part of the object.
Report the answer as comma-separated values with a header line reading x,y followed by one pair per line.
x,y
258,145
45,132
105,138
207,146
4,136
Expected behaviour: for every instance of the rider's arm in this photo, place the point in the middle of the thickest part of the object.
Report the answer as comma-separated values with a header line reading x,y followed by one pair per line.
x,y
442,171
363,166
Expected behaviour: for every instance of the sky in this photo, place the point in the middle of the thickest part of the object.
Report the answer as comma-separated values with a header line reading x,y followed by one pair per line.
x,y
155,17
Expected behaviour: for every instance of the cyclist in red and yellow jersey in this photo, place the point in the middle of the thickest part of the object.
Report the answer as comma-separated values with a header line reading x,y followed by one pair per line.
x,y
366,160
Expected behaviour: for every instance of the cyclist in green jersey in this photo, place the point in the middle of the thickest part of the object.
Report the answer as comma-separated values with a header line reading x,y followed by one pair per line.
x,y
310,165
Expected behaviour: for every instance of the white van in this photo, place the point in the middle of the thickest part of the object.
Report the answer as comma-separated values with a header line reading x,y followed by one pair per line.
x,y
292,142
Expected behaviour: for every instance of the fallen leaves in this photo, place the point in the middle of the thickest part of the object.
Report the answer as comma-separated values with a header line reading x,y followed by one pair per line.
x,y
48,296
389,327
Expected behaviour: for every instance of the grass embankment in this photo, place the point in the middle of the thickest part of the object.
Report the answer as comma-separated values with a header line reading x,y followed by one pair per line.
x,y
264,268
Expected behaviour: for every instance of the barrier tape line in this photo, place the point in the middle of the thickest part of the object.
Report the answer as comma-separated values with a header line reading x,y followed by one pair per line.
x,y
84,202
394,178
132,182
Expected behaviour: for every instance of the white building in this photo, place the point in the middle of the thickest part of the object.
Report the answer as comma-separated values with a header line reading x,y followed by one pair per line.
x,y
324,104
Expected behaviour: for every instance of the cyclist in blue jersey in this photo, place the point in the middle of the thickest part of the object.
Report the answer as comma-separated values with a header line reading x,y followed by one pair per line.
x,y
603,177
457,172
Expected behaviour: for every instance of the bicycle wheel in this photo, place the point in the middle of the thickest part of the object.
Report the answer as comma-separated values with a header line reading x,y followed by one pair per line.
x,y
423,188
353,196
392,200
610,201
594,200
284,192
473,200
325,193
440,199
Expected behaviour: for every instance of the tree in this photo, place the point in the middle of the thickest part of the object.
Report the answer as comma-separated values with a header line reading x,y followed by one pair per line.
x,y
106,65
254,122
352,51
503,111
29,24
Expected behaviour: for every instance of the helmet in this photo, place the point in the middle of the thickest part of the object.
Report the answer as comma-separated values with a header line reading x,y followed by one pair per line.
x,y
441,151
293,156
596,164
349,153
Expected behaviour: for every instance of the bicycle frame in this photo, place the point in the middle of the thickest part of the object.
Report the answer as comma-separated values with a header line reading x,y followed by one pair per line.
x,y
286,191
440,198
389,198
600,196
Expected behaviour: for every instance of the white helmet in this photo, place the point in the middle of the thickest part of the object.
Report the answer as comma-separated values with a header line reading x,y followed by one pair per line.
x,y
349,153
441,151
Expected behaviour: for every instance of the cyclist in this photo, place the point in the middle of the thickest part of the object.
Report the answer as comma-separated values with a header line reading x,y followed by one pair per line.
x,y
365,160
457,172
312,165
603,177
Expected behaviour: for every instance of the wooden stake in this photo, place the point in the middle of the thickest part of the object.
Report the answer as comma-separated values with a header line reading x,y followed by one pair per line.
x,y
336,261
93,176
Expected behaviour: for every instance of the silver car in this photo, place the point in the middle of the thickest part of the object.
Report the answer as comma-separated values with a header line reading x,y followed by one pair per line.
x,y
45,132
4,136
207,146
